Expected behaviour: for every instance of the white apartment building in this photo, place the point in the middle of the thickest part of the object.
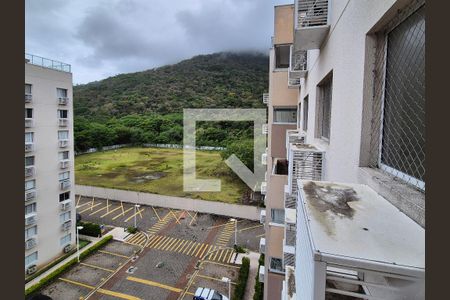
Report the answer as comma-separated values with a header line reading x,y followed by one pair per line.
x,y
49,161
345,191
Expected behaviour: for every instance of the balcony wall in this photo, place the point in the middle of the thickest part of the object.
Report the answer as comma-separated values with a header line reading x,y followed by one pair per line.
x,y
278,139
280,94
284,24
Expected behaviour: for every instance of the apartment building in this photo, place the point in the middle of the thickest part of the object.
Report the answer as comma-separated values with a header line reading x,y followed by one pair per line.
x,y
49,161
345,183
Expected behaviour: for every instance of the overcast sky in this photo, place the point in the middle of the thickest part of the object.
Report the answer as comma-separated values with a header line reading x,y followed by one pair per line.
x,y
101,38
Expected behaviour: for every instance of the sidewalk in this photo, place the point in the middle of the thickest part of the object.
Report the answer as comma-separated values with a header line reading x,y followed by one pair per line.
x,y
250,288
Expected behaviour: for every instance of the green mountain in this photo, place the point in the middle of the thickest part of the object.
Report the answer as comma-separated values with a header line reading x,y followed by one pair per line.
x,y
220,80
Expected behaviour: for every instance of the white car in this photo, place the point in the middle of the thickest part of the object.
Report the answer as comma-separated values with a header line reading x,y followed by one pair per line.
x,y
208,294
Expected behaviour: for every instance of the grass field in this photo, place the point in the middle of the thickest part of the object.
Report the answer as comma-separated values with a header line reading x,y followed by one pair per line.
x,y
156,170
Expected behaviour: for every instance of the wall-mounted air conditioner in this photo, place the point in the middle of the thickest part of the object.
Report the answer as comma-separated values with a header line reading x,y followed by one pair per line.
x,y
29,147
64,184
262,216
28,98
29,171
31,269
30,219
64,164
66,205
67,248
30,243
262,245
261,274
66,225
63,143
63,100
30,195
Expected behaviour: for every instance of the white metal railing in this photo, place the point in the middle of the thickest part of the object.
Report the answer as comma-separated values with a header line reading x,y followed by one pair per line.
x,y
63,143
263,187
29,147
64,184
65,205
298,60
265,98
30,195
30,219
63,100
63,122
28,98
30,243
310,13
46,63
29,171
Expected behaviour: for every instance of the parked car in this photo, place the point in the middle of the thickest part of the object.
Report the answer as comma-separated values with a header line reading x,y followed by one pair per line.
x,y
203,293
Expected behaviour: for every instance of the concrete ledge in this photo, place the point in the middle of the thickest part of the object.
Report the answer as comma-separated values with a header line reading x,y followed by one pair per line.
x,y
406,198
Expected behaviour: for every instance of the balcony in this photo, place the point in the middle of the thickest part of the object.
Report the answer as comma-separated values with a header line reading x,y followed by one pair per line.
x,y
265,98
280,166
63,143
29,122
65,205
29,171
63,122
290,201
288,256
297,67
64,184
66,225
28,98
30,219
46,63
30,195
290,231
29,147
311,24
30,243
64,163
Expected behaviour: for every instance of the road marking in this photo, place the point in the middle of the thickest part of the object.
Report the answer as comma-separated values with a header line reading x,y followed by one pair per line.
x,y
195,248
112,253
221,253
151,239
90,208
216,253
119,207
183,242
174,244
185,248
228,223
252,227
193,218
212,278
204,250
135,214
166,245
174,215
99,210
229,257
96,267
200,250
163,241
117,294
79,198
77,283
216,263
155,241
84,204
154,210
152,283
122,213
261,235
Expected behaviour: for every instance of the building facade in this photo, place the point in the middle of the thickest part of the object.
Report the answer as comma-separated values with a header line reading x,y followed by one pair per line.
x,y
49,162
346,104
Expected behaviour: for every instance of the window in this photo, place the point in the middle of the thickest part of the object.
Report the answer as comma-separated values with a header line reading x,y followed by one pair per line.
x,y
282,53
285,115
65,239
29,161
30,208
29,137
31,259
305,113
299,114
30,184
62,113
277,215
64,176
64,196
63,135
61,93
30,232
63,155
28,113
64,217
27,89
276,264
324,108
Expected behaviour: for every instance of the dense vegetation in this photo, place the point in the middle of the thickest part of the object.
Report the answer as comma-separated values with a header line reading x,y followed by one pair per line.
x,y
146,107
241,284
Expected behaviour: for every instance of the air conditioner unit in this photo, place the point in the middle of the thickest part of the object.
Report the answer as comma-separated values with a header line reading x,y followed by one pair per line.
x,y
262,216
30,243
265,98
29,147
29,171
29,122
30,195
265,129
30,219
264,158
294,137
65,205
64,164
62,122
31,269
63,143
64,185
67,248
28,98
63,100
262,245
66,225
261,273
263,188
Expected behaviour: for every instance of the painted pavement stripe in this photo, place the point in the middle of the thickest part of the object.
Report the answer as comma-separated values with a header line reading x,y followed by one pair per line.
x,y
152,283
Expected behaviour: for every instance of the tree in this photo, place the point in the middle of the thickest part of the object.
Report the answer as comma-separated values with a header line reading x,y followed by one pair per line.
x,y
242,149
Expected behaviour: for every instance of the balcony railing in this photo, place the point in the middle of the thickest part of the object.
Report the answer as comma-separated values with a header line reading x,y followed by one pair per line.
x,y
63,143
29,147
30,219
311,23
47,63
66,225
63,122
65,205
64,184
294,137
63,100
30,195
29,171
297,67
30,243
28,98
265,98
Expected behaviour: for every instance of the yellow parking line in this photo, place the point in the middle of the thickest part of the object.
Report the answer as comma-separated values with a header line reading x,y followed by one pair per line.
x,y
119,207
168,241
79,198
183,249
216,253
221,253
141,239
122,213
163,241
175,216
117,294
174,244
261,235
135,214
229,257
216,263
199,250
252,227
154,210
84,204
112,253
212,278
167,246
155,241
89,208
194,244
134,237
77,283
151,239
204,250
193,218
152,283
99,210
183,242
194,249
96,267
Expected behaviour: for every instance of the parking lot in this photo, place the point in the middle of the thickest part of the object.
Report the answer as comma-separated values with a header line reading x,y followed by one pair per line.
x,y
170,244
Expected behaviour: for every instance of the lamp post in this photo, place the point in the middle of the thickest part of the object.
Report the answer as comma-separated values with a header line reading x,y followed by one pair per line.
x,y
136,208
228,280
78,242
235,230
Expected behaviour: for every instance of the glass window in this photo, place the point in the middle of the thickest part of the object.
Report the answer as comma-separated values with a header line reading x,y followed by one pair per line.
x,y
29,161
324,108
285,115
64,176
30,184
27,89
30,232
62,113
63,135
30,208
63,155
65,239
276,264
64,196
282,53
305,113
62,93
277,215
28,113
64,217
29,137
31,259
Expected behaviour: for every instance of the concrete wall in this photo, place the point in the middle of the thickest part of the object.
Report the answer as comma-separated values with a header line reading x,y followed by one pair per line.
x,y
211,207
284,24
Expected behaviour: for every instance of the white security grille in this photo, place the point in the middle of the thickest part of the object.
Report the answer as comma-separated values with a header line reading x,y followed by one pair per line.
x,y
65,184
63,143
66,205
29,122
290,200
30,195
63,100
294,137
305,162
29,171
312,13
288,259
297,66
30,219
66,225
